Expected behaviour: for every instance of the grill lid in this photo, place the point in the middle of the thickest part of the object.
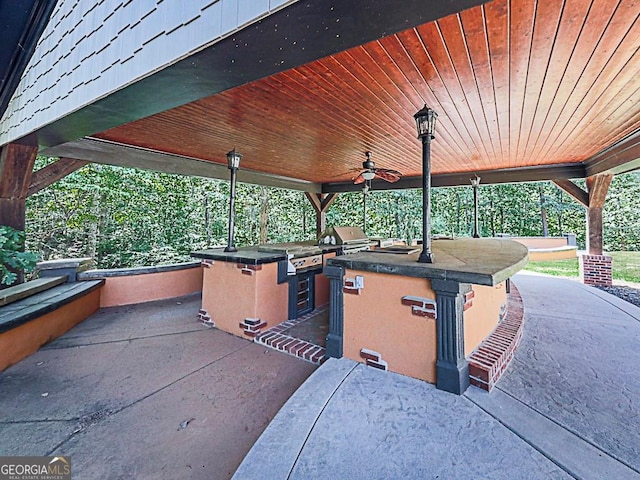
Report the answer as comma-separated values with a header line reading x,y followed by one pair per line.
x,y
344,236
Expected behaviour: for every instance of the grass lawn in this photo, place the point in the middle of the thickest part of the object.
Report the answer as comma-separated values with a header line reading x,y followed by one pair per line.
x,y
626,266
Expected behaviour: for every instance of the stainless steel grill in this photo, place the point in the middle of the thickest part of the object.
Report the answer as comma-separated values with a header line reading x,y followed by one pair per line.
x,y
350,239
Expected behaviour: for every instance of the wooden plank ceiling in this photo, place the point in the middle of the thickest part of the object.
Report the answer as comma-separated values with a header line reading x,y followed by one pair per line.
x,y
515,83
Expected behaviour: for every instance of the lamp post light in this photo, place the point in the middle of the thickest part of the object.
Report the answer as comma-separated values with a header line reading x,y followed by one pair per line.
x,y
233,162
475,183
426,123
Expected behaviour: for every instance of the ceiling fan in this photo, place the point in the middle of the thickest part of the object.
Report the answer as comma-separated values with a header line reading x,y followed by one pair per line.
x,y
370,172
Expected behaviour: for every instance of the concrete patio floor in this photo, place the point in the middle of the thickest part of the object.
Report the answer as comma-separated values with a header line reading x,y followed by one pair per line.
x,y
145,391
568,407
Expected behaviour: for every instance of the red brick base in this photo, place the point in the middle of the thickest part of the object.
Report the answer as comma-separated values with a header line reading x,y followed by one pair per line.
x,y
492,357
596,270
276,339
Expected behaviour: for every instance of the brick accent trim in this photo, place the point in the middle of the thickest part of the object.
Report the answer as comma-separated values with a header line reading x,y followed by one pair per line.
x,y
374,359
252,326
350,286
490,360
274,338
468,300
596,270
421,307
205,318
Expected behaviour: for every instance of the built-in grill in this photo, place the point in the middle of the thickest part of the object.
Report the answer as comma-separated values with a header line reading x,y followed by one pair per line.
x,y
349,239
303,263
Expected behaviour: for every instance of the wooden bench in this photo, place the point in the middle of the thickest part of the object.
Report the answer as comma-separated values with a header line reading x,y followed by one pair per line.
x,y
39,311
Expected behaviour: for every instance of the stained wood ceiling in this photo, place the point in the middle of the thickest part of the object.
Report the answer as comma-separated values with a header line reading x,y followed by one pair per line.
x,y
515,83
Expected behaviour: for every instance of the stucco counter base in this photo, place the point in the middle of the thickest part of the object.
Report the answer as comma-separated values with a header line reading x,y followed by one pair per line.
x,y
422,320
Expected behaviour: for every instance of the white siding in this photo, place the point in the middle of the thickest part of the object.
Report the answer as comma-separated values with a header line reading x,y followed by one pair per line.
x,y
92,48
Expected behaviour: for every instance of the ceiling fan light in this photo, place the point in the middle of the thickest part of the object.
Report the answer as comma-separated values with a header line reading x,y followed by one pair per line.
x,y
368,175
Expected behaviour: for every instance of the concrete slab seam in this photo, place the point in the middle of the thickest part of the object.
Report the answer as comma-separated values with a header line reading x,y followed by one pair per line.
x,y
54,347
522,438
124,407
563,427
606,297
293,466
586,440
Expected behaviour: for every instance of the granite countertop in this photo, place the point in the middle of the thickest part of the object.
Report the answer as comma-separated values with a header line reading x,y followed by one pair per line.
x,y
247,255
483,261
260,254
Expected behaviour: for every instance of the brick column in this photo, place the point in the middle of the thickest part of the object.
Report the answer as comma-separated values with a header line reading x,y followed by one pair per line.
x,y
596,270
452,369
335,275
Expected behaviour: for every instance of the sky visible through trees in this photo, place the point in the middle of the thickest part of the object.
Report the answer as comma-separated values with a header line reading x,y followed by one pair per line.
x,y
125,217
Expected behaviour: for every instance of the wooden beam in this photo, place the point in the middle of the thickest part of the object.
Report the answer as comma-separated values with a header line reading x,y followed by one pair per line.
x,y
321,203
112,153
574,190
16,165
622,157
316,201
506,175
53,172
327,200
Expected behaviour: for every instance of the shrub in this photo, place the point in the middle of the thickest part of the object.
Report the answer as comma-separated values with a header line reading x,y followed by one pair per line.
x,y
12,259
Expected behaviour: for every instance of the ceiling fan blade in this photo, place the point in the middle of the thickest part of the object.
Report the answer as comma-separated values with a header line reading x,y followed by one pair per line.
x,y
390,171
390,176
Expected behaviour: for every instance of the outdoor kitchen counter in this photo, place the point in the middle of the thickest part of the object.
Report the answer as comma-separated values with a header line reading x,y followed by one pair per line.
x,y
481,261
246,255
258,287
259,255
421,319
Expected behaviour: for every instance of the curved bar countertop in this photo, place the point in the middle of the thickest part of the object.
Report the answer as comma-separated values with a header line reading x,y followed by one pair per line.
x,y
482,261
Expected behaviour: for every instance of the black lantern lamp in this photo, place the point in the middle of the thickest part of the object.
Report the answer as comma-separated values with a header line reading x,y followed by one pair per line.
x,y
426,123
475,183
233,162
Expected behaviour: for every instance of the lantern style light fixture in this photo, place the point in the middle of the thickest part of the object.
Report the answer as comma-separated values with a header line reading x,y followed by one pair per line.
x,y
475,183
426,124
233,162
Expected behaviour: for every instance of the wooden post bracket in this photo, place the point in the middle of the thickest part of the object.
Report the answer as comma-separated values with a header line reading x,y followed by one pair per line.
x,y
41,179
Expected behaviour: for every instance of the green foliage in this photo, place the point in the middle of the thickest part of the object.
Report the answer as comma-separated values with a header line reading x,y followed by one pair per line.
x,y
621,213
123,217
12,257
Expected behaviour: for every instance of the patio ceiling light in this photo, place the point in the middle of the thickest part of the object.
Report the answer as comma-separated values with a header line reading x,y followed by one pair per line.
x,y
233,159
233,162
426,122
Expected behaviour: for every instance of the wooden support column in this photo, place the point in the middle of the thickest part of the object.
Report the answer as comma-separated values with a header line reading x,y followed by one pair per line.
x,y
598,187
16,164
321,203
595,268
